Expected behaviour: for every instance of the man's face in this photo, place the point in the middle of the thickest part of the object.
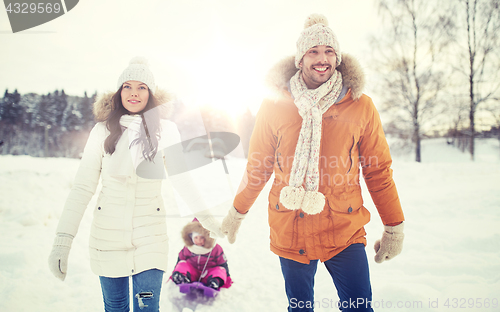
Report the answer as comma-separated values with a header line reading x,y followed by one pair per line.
x,y
318,65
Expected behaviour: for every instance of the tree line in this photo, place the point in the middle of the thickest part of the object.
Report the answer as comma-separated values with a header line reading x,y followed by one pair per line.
x,y
53,124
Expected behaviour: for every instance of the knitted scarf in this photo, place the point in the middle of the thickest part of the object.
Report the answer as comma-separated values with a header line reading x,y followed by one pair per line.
x,y
126,158
312,103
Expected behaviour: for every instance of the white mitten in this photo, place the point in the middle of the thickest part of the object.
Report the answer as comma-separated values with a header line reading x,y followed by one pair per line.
x,y
391,243
58,259
208,221
231,224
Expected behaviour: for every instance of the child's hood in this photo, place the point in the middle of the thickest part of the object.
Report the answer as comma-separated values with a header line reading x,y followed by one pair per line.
x,y
195,226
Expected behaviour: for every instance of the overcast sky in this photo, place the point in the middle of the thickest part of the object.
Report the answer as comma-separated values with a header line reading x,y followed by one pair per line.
x,y
210,51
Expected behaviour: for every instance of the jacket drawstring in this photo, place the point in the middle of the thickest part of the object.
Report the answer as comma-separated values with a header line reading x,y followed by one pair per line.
x,y
206,263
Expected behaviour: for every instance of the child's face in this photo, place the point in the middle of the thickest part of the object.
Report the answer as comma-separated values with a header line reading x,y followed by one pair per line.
x,y
199,240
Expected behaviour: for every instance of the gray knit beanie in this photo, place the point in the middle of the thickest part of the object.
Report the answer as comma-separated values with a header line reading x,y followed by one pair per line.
x,y
316,32
138,70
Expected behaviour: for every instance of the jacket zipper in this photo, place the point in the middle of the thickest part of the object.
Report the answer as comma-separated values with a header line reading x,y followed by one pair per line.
x,y
350,154
278,155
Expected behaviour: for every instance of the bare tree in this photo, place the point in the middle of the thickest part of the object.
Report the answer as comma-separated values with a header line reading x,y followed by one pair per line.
x,y
478,27
494,110
409,57
457,116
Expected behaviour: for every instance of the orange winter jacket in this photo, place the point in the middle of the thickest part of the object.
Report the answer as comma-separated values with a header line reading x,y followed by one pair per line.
x,y
352,137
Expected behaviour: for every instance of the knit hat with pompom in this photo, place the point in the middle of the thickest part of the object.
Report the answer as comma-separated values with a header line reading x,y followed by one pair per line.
x,y
316,32
138,70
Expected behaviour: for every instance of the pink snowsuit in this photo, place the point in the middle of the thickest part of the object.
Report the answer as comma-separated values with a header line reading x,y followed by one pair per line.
x,y
210,265
202,262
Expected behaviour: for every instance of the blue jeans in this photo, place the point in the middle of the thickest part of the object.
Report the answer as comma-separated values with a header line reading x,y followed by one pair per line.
x,y
146,290
350,274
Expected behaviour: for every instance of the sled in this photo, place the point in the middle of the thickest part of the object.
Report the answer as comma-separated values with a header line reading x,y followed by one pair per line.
x,y
198,287
190,296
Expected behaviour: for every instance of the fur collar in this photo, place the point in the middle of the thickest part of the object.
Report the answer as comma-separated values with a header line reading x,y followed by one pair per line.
x,y
352,74
104,103
195,226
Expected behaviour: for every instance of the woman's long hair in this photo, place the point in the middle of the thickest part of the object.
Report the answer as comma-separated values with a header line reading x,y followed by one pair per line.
x,y
150,130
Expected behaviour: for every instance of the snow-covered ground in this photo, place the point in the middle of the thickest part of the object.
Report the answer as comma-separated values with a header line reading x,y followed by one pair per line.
x,y
450,261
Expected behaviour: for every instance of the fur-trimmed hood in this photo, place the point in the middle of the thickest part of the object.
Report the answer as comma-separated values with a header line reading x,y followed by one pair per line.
x,y
195,226
352,74
104,104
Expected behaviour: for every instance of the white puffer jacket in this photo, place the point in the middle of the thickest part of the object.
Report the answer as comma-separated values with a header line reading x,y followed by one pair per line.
x,y
129,231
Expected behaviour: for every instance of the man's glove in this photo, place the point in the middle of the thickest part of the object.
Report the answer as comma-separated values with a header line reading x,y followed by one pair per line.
x,y
58,259
391,243
208,222
231,224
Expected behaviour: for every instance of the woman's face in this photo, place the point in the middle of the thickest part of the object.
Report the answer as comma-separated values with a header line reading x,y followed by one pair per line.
x,y
135,96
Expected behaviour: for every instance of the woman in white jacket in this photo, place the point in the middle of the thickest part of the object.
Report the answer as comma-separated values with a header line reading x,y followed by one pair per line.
x,y
129,233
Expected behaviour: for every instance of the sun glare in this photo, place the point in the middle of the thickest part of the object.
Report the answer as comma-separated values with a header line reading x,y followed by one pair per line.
x,y
226,77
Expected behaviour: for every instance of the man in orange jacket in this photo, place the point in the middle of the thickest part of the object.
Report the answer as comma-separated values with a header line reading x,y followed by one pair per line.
x,y
314,135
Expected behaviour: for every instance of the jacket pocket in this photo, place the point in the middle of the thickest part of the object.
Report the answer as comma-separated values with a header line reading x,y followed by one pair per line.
x,y
109,214
149,207
283,225
347,215
149,212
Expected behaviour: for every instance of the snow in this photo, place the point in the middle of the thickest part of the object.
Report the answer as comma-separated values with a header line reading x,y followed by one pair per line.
x,y
451,255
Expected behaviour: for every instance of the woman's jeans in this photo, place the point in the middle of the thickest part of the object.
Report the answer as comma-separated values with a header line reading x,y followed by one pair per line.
x,y
349,271
146,291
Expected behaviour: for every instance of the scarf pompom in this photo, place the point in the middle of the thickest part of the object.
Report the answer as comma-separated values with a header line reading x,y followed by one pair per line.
x,y
292,197
313,203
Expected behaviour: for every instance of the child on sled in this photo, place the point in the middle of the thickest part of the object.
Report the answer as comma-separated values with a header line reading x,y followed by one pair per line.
x,y
201,259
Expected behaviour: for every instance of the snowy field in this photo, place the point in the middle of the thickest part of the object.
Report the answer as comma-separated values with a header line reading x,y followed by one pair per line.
x,y
450,261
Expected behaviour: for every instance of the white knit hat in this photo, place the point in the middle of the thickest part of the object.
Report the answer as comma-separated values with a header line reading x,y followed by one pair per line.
x,y
138,70
316,32
195,234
